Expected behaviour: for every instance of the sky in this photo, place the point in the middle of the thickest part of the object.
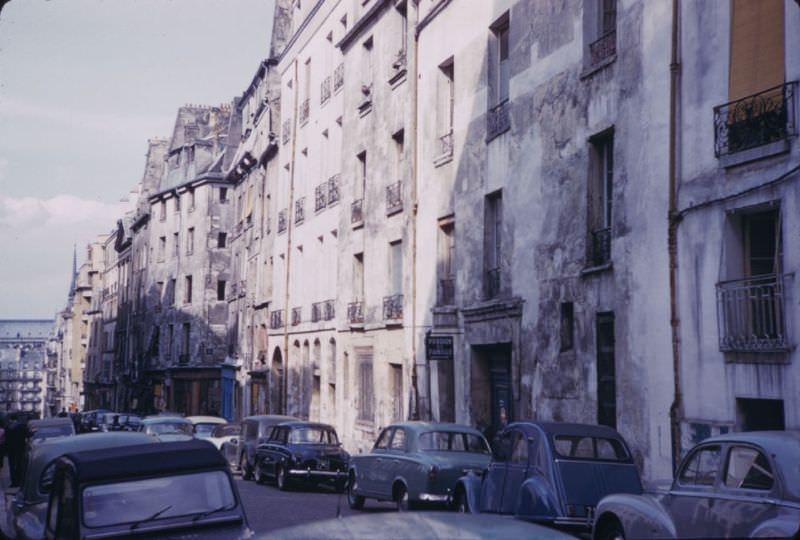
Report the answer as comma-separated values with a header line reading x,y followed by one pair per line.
x,y
83,85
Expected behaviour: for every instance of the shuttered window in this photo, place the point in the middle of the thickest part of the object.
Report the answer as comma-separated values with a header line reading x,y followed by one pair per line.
x,y
757,43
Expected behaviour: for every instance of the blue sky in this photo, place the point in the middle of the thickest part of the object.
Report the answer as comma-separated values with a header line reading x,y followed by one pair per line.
x,y
83,85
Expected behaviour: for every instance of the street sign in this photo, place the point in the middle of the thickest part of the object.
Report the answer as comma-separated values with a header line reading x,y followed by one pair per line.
x,y
439,347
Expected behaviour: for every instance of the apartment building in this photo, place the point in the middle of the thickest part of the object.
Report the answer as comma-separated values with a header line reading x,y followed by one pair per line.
x,y
23,358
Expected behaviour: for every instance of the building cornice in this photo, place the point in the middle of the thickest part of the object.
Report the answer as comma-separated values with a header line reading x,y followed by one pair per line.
x,y
362,24
437,9
296,35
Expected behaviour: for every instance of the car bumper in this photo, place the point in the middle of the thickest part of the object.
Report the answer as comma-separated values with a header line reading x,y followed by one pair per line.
x,y
434,497
309,473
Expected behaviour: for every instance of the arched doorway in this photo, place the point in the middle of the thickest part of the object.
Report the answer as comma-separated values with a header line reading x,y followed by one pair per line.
x,y
276,383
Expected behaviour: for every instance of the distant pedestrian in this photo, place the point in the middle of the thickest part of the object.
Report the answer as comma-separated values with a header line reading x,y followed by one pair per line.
x,y
16,443
63,413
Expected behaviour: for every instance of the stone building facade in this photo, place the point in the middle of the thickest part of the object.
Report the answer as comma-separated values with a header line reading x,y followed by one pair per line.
x,y
23,362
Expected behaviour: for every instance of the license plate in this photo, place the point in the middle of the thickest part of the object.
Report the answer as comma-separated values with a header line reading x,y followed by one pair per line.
x,y
323,464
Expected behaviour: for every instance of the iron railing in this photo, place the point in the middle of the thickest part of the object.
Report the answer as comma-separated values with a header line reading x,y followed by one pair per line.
x,y
355,312
329,311
286,131
604,47
356,211
297,315
316,311
600,249
447,292
333,189
492,285
282,221
325,90
498,120
394,197
276,319
751,316
445,145
756,120
393,307
304,110
338,77
299,210
321,196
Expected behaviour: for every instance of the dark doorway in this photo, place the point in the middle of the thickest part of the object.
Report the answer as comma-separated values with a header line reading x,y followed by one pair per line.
x,y
760,414
606,376
276,401
492,396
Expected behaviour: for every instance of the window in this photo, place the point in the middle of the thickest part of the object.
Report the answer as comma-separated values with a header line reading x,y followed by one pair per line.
x,y
445,107
493,225
447,246
601,195
220,289
567,326
366,400
756,47
176,244
190,241
383,441
396,267
177,202
361,185
160,293
172,286
223,195
519,452
162,213
501,69
192,199
358,276
748,469
367,64
702,467
187,331
402,12
162,247
221,239
398,440
600,32
187,292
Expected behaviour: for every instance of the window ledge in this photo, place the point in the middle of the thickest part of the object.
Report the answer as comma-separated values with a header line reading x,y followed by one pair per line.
x,y
589,270
777,356
443,159
393,211
591,70
398,78
358,224
753,154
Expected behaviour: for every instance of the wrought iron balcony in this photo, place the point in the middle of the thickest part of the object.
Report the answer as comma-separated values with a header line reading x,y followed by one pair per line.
x,y
394,198
603,48
751,316
321,197
297,316
447,292
304,111
498,120
333,189
282,221
286,131
600,249
325,90
355,312
338,77
356,211
276,319
299,210
492,285
445,145
330,310
756,120
393,307
316,311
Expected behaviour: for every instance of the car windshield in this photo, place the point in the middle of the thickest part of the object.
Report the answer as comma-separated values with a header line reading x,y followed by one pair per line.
x,y
163,428
594,448
169,496
204,430
51,431
312,435
224,430
453,441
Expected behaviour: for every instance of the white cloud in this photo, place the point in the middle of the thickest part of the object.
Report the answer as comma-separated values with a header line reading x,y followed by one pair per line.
x,y
60,210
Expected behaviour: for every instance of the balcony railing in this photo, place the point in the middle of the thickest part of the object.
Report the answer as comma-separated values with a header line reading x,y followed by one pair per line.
x,y
603,48
445,145
355,312
394,198
297,316
750,314
756,120
299,210
325,90
276,319
286,131
329,311
492,285
321,197
600,249
498,120
447,292
356,211
393,307
316,311
282,221
304,111
333,189
338,77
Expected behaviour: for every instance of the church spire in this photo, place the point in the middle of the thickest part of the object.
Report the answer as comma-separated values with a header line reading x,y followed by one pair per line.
x,y
74,272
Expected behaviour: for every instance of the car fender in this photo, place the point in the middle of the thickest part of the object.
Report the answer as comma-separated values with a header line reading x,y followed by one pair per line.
x,y
536,499
641,516
471,484
778,527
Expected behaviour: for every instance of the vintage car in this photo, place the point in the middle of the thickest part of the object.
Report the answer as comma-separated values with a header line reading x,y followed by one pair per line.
x,y
204,425
26,507
551,473
738,485
50,428
415,462
168,428
255,430
170,490
225,433
307,452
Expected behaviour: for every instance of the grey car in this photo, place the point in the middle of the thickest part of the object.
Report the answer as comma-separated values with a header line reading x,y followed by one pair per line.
x,y
738,485
255,431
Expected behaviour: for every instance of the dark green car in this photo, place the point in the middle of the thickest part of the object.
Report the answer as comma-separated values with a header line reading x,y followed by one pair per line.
x,y
414,462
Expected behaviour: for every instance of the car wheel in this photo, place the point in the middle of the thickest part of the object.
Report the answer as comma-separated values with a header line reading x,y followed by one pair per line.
x,y
244,466
401,498
340,486
610,529
280,478
258,475
462,505
356,502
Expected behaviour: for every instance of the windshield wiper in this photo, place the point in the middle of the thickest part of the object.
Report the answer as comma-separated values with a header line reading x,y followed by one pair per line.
x,y
151,518
201,515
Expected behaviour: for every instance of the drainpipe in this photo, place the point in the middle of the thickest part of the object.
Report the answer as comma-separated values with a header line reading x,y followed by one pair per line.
x,y
289,228
676,410
415,412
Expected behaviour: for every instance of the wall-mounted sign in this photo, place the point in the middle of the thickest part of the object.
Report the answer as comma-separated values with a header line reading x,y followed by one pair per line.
x,y
439,347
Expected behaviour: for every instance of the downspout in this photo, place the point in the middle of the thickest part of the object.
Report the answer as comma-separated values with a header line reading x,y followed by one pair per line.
x,y
289,228
415,412
676,410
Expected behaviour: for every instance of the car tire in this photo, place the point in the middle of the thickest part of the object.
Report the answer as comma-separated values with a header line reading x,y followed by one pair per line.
x,y
258,476
610,529
340,486
356,502
244,466
401,499
281,480
462,504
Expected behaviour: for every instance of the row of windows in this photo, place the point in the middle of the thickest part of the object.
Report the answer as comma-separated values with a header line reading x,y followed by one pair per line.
x,y
221,241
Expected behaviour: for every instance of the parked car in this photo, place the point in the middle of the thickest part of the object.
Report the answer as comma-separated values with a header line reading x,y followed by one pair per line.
x,y
416,462
171,490
130,422
204,425
255,430
306,452
89,420
50,428
551,473
26,507
738,485
225,433
168,428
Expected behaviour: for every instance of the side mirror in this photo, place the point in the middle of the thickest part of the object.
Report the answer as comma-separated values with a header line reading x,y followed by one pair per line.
x,y
234,441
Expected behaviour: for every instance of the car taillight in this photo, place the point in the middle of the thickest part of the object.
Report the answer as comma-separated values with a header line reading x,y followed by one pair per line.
x,y
571,510
433,473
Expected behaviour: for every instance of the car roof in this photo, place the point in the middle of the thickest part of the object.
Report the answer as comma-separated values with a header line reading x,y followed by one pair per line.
x,y
568,428
206,419
273,418
49,422
165,420
435,426
145,460
304,423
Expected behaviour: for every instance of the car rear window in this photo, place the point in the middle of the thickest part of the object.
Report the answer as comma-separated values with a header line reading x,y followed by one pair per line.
x,y
309,435
453,441
592,448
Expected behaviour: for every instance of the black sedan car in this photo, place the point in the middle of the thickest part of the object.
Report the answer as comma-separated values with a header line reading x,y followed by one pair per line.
x,y
306,452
